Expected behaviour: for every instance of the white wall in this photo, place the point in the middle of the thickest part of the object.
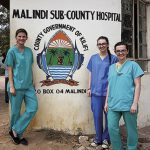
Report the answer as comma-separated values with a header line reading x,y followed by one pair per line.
x,y
71,112
67,112
144,110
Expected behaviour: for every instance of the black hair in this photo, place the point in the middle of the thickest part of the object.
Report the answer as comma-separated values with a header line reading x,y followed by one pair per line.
x,y
108,51
4,57
121,43
21,30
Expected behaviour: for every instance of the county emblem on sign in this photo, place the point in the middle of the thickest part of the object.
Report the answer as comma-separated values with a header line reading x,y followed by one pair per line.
x,y
59,60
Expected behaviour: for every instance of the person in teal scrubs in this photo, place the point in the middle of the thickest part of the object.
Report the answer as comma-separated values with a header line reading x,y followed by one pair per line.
x,y
20,87
98,67
124,85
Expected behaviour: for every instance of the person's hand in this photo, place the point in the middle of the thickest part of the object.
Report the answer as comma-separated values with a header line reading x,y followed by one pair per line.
x,y
89,92
12,91
134,108
106,107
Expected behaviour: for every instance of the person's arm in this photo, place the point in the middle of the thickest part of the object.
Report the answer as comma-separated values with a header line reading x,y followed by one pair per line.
x,y
11,82
106,101
137,82
33,80
89,85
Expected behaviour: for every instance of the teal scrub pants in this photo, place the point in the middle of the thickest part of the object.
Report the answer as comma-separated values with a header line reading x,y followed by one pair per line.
x,y
19,122
114,131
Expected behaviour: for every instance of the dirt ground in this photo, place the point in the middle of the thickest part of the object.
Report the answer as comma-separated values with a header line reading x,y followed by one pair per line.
x,y
38,140
50,139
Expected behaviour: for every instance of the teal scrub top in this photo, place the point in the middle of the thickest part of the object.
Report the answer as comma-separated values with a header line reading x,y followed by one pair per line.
x,y
21,62
121,85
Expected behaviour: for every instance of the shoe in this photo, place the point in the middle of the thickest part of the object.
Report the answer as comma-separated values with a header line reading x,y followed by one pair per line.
x,y
105,144
23,141
95,143
15,140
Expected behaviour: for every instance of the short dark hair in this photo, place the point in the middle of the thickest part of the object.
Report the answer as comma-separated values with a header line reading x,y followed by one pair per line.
x,y
121,43
21,30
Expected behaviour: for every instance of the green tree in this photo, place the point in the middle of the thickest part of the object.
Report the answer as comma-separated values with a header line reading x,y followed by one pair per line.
x,y
50,56
67,54
4,29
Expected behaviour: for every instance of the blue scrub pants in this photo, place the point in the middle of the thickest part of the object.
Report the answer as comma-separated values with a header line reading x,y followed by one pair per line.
x,y
19,122
131,127
97,106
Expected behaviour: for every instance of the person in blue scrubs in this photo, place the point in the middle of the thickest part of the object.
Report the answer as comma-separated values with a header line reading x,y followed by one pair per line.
x,y
20,87
122,99
98,67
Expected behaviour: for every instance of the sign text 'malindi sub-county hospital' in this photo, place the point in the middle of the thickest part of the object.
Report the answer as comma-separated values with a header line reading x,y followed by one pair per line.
x,y
69,14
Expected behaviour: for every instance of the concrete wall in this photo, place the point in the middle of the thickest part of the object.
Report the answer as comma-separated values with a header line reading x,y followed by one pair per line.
x,y
58,109
144,110
71,112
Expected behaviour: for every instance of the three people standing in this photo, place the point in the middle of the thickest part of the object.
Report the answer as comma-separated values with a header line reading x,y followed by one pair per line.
x,y
123,80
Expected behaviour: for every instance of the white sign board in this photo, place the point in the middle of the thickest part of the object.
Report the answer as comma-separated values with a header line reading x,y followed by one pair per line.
x,y
63,36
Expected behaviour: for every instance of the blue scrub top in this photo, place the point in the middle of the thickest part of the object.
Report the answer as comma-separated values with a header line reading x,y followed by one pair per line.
x,y
121,85
99,73
21,62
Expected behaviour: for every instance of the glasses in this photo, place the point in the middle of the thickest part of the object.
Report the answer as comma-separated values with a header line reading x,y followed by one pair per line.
x,y
101,44
120,51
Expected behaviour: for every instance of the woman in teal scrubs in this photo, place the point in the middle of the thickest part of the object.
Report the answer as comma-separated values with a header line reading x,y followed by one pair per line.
x,y
124,85
20,87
